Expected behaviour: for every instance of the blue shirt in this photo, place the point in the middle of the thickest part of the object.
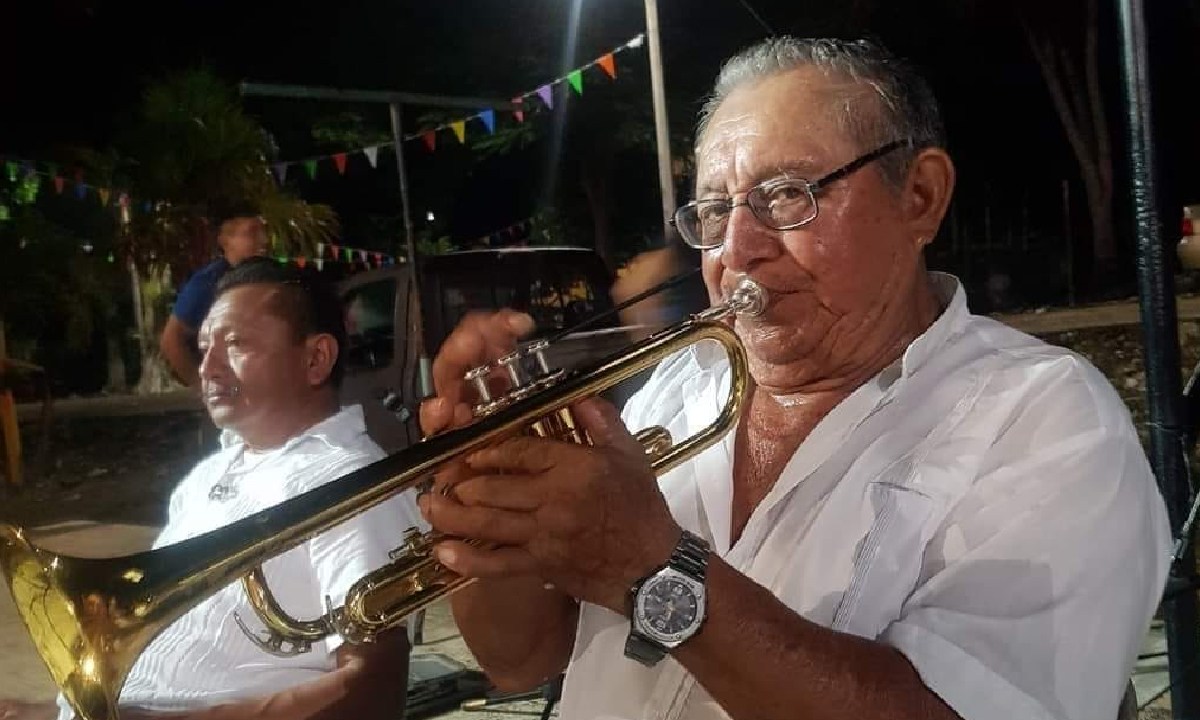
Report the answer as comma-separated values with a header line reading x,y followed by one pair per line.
x,y
197,294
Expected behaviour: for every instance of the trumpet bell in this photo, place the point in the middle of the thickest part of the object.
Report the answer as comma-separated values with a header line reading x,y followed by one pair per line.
x,y
82,638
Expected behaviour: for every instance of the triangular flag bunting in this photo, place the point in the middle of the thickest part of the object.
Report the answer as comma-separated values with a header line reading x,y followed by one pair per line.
x,y
311,167
103,196
58,184
320,249
489,119
546,95
11,167
378,258
335,251
301,261
519,113
609,63
430,138
339,161
372,154
282,259
362,255
349,255
280,172
320,264
80,190
575,77
460,130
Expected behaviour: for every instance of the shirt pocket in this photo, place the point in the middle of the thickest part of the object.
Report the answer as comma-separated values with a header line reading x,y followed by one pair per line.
x,y
887,561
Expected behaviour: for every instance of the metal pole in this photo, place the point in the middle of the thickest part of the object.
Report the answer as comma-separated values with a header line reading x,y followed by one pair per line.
x,y
662,136
418,332
1161,349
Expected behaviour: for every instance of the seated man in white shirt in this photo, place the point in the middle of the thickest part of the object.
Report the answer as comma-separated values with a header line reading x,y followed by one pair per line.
x,y
272,363
922,513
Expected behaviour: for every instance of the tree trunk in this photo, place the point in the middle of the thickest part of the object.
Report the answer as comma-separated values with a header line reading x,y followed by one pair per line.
x,y
594,178
148,293
1079,103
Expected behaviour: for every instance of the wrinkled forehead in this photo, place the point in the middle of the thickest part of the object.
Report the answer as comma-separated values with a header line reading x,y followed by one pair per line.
x,y
795,121
246,307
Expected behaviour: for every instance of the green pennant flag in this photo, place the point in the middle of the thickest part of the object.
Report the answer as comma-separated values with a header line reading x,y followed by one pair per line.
x,y
282,259
349,255
12,170
576,79
311,167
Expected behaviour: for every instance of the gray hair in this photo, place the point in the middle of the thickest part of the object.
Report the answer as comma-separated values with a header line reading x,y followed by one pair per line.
x,y
902,105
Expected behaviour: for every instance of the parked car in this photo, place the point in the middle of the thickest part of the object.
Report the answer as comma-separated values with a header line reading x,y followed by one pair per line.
x,y
558,286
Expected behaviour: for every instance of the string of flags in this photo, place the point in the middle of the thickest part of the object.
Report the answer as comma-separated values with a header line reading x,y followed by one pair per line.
x,y
16,168
341,253
330,252
524,103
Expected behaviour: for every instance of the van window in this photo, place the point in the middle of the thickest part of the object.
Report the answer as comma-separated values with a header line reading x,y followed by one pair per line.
x,y
557,295
370,328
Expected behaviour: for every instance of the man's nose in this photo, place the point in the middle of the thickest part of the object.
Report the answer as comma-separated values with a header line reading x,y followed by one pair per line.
x,y
210,365
747,240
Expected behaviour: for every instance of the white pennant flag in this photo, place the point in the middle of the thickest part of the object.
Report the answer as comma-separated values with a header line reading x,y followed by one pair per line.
x,y
320,250
320,264
372,154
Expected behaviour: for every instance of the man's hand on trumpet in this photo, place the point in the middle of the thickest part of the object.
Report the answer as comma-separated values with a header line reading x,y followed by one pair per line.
x,y
589,520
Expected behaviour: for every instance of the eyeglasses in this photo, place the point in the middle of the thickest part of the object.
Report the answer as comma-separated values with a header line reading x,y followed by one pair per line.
x,y
782,203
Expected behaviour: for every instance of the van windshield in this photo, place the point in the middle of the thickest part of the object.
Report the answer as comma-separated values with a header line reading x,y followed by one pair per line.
x,y
557,292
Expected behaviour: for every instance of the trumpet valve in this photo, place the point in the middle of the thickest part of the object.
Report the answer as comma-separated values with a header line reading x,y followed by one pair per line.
x,y
516,371
415,544
478,377
537,350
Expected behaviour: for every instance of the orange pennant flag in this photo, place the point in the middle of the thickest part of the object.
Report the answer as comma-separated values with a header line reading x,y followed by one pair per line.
x,y
609,63
301,261
519,112
460,130
339,161
430,138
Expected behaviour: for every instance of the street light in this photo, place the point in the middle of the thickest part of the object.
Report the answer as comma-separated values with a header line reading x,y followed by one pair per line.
x,y
662,136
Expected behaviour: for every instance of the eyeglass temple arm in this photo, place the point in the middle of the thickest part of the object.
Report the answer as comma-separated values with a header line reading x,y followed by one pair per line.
x,y
853,165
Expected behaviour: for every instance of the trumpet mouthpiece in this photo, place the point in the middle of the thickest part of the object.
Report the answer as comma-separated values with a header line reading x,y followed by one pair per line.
x,y
748,299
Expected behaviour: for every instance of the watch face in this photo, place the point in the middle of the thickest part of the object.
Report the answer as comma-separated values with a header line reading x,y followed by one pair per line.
x,y
669,608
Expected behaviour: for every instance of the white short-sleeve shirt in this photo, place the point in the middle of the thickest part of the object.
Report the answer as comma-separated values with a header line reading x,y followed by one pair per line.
x,y
983,505
204,658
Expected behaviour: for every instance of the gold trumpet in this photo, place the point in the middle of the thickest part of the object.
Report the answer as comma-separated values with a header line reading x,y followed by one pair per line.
x,y
90,619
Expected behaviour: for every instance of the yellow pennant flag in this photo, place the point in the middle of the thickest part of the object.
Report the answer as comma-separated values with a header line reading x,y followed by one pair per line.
x,y
460,130
103,196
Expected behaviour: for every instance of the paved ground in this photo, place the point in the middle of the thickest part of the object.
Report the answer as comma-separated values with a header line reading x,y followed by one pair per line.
x,y
22,675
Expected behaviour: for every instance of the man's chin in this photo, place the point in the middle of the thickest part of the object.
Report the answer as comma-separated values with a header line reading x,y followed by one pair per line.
x,y
222,415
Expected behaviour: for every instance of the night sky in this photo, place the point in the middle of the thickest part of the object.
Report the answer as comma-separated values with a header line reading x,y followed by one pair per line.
x,y
74,70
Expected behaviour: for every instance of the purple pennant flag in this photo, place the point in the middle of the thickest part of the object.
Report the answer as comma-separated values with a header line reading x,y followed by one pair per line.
x,y
489,119
545,94
280,172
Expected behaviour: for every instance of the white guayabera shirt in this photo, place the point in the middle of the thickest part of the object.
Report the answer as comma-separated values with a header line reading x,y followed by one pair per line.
x,y
983,505
204,658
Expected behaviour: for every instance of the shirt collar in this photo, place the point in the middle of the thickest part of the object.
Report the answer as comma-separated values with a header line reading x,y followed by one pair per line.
x,y
337,430
953,300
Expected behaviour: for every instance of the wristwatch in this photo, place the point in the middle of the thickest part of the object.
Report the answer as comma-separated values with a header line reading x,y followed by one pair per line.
x,y
669,604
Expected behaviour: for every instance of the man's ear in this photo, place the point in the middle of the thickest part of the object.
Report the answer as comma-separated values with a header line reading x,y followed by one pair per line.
x,y
322,353
927,193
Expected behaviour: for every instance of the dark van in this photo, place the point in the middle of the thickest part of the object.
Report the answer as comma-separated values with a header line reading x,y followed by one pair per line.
x,y
558,286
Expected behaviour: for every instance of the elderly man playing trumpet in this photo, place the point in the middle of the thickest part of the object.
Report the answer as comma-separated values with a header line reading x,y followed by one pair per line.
x,y
921,513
